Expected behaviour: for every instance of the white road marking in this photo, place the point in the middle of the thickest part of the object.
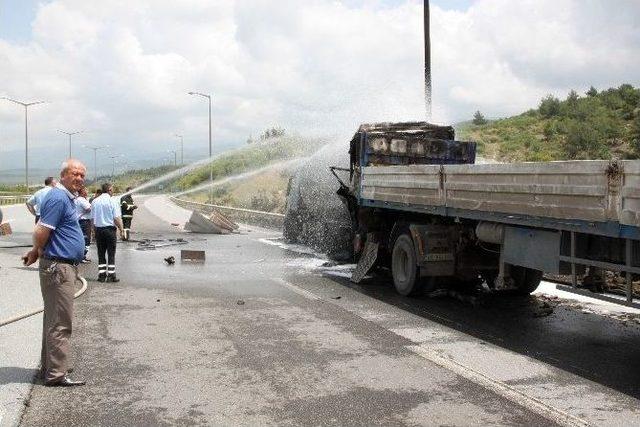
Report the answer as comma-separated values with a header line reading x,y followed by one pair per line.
x,y
500,388
297,290
496,386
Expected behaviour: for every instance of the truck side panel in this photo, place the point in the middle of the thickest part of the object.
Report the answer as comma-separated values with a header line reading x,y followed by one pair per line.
x,y
590,191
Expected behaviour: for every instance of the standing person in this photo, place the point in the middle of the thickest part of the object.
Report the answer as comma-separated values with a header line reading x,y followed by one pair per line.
x,y
34,202
96,194
83,207
106,218
127,206
58,242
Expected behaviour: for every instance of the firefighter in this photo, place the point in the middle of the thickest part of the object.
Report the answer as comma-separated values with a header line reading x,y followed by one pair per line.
x,y
127,206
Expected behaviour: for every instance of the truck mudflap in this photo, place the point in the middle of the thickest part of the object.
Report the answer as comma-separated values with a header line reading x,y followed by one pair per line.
x,y
367,260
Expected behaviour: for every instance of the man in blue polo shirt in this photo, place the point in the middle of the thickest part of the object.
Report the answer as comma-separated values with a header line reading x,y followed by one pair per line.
x,y
59,243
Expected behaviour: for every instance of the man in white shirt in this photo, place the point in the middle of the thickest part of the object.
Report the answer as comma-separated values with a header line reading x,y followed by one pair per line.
x,y
35,201
105,213
83,208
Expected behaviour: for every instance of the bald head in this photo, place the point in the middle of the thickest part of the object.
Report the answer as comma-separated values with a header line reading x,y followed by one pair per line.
x,y
69,163
72,175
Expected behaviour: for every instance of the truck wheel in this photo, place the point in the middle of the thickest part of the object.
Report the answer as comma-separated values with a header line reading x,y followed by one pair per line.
x,y
404,267
525,279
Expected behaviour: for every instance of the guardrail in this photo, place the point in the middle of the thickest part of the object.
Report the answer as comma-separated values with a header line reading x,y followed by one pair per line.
x,y
247,216
13,200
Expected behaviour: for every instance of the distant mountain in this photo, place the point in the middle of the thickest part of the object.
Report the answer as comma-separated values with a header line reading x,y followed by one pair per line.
x,y
596,125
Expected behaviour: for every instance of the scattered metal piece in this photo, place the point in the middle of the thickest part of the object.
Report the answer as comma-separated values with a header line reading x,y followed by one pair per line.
x,y
338,297
191,255
240,302
170,260
148,245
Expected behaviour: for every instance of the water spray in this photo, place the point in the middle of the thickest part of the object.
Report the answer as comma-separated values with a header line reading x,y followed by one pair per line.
x,y
248,174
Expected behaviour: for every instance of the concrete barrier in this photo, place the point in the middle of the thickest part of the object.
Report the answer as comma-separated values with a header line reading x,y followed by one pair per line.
x,y
13,200
247,216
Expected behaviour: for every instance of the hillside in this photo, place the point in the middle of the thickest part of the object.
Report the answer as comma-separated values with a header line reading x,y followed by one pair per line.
x,y
596,125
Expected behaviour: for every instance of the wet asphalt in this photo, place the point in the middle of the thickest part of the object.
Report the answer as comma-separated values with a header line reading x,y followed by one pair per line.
x,y
253,336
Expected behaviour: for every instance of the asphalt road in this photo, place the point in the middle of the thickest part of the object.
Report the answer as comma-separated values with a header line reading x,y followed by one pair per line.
x,y
263,335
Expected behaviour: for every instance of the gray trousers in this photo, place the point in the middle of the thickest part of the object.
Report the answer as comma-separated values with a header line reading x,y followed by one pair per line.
x,y
57,283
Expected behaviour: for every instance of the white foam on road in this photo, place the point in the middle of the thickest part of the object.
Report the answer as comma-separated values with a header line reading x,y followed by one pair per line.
x,y
591,305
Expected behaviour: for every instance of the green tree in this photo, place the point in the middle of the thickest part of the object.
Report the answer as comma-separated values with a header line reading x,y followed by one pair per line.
x,y
549,106
592,92
478,119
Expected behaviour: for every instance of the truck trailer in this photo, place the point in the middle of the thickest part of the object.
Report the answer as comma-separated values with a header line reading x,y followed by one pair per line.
x,y
420,205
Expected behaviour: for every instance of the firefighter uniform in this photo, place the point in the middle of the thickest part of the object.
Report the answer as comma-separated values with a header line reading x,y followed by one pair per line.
x,y
127,207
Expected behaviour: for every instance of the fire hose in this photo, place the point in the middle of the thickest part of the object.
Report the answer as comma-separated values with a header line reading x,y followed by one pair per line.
x,y
5,322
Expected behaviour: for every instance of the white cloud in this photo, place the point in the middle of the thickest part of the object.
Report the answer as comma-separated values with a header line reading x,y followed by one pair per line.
x,y
120,70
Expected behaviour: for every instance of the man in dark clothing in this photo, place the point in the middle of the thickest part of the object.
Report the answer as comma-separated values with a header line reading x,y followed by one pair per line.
x,y
106,219
127,207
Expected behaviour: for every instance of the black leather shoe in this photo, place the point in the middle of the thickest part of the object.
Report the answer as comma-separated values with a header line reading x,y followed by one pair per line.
x,y
41,373
64,382
102,278
112,278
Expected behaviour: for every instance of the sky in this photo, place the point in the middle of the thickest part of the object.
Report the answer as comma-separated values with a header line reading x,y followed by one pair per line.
x,y
119,71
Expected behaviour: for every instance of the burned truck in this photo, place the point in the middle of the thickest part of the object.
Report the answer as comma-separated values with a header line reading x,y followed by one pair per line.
x,y
420,205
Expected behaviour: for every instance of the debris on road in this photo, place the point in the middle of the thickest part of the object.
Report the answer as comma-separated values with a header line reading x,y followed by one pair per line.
x,y
5,229
240,302
191,255
216,223
543,310
149,245
170,260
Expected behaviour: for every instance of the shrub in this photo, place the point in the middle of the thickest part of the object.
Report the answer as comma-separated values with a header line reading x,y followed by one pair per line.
x,y
478,119
549,106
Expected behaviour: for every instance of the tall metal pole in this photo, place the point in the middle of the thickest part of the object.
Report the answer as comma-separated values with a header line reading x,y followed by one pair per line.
x,y
95,164
113,165
210,162
181,149
26,136
210,152
427,61
69,133
26,148
175,157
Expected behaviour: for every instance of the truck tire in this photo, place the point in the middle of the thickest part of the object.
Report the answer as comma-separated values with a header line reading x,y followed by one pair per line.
x,y
404,267
526,280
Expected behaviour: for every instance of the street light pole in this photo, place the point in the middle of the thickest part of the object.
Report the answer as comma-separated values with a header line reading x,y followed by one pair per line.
x,y
69,133
26,135
428,97
175,157
95,166
113,167
210,154
181,149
